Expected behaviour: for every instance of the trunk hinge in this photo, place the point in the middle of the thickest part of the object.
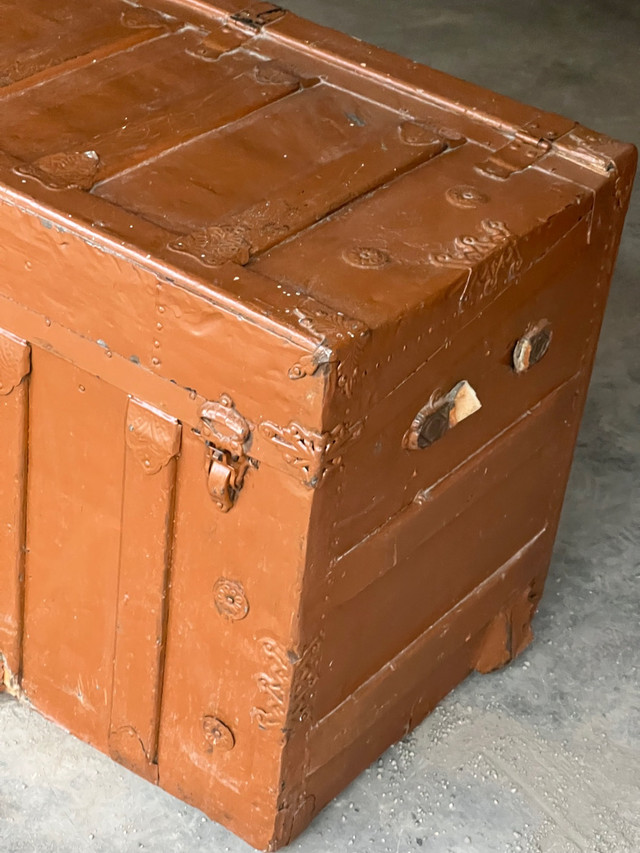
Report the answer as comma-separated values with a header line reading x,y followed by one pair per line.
x,y
258,15
227,436
522,151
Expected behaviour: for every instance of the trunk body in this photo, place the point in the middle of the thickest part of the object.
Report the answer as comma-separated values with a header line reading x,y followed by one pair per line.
x,y
295,337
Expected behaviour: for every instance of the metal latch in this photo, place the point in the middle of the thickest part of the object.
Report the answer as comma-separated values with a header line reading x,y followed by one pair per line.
x,y
227,438
523,150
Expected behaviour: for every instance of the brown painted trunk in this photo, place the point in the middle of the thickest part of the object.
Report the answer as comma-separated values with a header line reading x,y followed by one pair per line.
x,y
295,337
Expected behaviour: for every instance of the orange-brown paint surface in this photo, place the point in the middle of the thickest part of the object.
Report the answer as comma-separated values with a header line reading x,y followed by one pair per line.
x,y
295,337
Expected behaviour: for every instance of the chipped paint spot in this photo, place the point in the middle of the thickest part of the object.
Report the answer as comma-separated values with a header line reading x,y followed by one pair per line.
x,y
355,120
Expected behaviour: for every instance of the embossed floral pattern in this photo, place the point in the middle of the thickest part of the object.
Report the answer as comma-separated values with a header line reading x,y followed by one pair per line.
x,y
230,599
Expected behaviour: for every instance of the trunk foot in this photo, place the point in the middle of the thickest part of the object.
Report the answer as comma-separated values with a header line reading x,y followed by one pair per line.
x,y
509,633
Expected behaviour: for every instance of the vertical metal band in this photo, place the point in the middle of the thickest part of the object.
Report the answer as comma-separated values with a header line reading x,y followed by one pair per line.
x,y
153,442
15,364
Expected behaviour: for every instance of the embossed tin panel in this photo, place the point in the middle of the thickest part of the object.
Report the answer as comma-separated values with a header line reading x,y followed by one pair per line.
x,y
294,341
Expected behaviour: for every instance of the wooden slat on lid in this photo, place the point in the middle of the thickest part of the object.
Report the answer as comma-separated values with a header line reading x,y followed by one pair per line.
x,y
39,39
401,82
407,243
89,124
244,188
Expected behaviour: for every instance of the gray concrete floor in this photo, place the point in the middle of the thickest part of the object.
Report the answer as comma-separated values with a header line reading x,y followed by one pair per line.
x,y
543,757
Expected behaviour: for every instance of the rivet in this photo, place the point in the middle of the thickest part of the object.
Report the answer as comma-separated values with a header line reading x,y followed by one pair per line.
x,y
217,734
161,309
366,257
155,361
466,196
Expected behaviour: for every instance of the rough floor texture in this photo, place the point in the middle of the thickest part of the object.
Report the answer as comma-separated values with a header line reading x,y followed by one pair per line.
x,y
543,757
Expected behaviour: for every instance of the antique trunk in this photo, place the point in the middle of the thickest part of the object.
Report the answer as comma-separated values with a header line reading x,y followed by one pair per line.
x,y
295,340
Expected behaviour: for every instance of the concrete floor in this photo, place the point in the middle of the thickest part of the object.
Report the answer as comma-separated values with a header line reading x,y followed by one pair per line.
x,y
543,757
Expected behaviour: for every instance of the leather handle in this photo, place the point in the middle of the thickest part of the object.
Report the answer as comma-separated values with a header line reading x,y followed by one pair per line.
x,y
532,346
440,414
